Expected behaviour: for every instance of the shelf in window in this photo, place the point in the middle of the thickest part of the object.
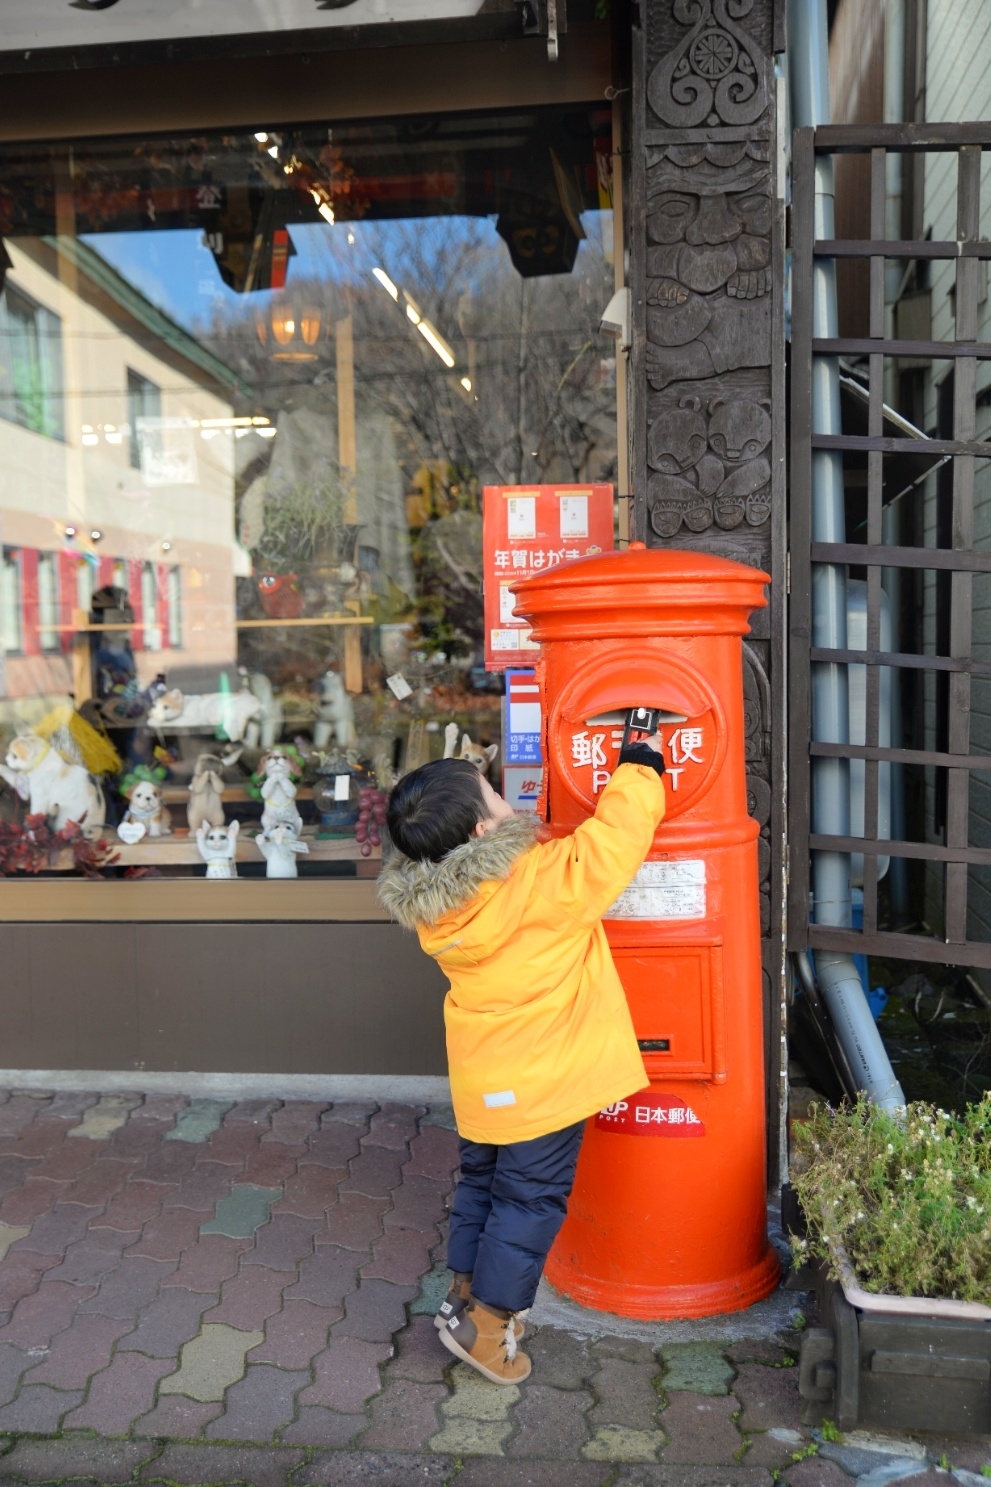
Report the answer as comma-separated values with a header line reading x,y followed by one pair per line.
x,y
335,619
232,795
180,850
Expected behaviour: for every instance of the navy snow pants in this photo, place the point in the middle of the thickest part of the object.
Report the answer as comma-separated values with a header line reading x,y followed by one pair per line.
x,y
508,1207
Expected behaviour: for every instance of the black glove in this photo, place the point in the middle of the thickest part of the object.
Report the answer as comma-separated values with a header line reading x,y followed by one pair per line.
x,y
641,753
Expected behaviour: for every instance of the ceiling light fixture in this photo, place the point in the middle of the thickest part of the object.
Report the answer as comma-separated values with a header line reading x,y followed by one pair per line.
x,y
96,535
434,339
261,137
386,283
273,150
70,531
466,383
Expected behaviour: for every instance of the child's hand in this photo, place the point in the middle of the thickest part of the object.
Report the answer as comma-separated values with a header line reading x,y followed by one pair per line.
x,y
653,742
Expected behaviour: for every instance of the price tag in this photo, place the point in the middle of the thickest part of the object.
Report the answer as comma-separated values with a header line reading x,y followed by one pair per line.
x,y
342,787
399,686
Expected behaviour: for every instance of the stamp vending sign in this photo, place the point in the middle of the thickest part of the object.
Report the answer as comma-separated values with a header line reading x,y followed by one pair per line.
x,y
526,529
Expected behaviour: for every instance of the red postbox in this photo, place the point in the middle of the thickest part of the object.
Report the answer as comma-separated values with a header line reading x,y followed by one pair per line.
x,y
668,1214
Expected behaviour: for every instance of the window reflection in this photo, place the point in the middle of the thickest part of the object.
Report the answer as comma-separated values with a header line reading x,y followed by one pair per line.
x,y
251,387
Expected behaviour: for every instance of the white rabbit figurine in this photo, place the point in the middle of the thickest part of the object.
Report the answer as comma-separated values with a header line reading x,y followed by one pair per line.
x,y
279,794
218,848
279,847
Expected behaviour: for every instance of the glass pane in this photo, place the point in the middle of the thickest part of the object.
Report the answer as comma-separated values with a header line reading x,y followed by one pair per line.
x,y
252,385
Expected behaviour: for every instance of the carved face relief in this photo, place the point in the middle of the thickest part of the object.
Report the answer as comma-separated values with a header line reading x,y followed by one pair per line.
x,y
677,440
709,470
739,430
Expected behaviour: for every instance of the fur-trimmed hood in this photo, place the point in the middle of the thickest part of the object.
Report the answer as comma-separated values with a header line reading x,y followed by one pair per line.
x,y
421,893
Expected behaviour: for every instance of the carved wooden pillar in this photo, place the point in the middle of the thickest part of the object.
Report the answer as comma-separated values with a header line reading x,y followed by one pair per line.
x,y
707,369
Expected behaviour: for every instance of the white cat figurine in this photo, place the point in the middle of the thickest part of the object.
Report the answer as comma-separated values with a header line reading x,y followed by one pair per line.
x,y
232,711
51,786
279,848
335,714
218,848
264,729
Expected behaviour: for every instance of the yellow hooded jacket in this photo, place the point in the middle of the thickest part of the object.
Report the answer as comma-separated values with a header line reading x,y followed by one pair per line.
x,y
539,1033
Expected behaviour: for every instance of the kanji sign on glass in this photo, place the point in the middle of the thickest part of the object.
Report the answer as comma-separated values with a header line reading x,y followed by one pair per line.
x,y
527,529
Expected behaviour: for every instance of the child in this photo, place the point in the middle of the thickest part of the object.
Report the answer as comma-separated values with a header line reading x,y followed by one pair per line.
x,y
539,1034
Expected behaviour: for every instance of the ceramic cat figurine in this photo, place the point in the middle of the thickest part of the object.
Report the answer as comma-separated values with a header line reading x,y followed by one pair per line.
x,y
145,808
52,786
232,711
266,728
279,848
473,752
279,794
335,714
218,848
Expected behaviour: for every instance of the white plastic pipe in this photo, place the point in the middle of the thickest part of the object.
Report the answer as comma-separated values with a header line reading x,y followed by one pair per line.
x,y
836,973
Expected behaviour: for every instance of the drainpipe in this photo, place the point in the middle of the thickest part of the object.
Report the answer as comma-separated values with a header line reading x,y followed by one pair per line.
x,y
836,973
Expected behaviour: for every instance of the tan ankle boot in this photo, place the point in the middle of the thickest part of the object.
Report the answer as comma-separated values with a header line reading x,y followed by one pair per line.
x,y
486,1339
456,1300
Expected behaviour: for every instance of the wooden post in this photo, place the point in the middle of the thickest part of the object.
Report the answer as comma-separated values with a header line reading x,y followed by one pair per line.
x,y
706,374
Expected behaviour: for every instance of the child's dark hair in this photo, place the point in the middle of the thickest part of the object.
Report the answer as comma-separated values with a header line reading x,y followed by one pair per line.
x,y
435,808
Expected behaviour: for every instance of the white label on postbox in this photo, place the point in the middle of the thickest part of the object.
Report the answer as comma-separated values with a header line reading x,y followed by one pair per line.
x,y
663,890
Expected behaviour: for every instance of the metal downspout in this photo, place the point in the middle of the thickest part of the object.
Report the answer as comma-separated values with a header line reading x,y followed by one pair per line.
x,y
836,973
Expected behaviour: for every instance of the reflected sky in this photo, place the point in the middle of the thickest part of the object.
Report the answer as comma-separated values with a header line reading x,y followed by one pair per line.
x,y
177,272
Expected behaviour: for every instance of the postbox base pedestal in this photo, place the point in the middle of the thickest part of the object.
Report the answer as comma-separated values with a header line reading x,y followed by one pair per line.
x,y
668,1303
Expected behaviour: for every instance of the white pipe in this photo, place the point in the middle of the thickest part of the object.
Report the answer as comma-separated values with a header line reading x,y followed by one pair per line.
x,y
837,975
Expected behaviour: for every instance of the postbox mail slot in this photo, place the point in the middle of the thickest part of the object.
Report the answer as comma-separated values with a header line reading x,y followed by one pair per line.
x,y
675,997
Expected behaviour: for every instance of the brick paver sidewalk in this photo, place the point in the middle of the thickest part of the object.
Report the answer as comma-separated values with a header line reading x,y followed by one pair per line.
x,y
207,1292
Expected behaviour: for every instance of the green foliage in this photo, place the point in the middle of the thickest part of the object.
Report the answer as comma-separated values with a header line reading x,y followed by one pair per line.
x,y
303,519
908,1198
829,1432
986,1469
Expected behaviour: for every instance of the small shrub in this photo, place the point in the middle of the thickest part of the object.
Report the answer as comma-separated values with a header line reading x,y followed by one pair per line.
x,y
909,1198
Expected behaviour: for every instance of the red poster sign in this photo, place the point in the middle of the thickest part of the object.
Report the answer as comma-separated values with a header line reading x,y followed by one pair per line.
x,y
650,1114
527,528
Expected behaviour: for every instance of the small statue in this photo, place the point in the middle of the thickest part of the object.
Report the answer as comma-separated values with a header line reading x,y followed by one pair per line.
x,y
335,714
279,793
52,785
218,848
206,790
279,848
473,752
146,808
265,729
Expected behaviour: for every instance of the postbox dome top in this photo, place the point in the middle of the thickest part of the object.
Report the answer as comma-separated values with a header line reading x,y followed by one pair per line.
x,y
673,588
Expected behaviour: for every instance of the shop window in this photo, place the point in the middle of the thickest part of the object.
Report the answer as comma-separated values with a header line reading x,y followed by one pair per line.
x,y
11,602
31,392
174,591
144,402
84,585
48,602
152,631
297,358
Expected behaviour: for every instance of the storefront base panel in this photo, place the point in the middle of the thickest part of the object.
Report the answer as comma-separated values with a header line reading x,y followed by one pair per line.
x,y
279,999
